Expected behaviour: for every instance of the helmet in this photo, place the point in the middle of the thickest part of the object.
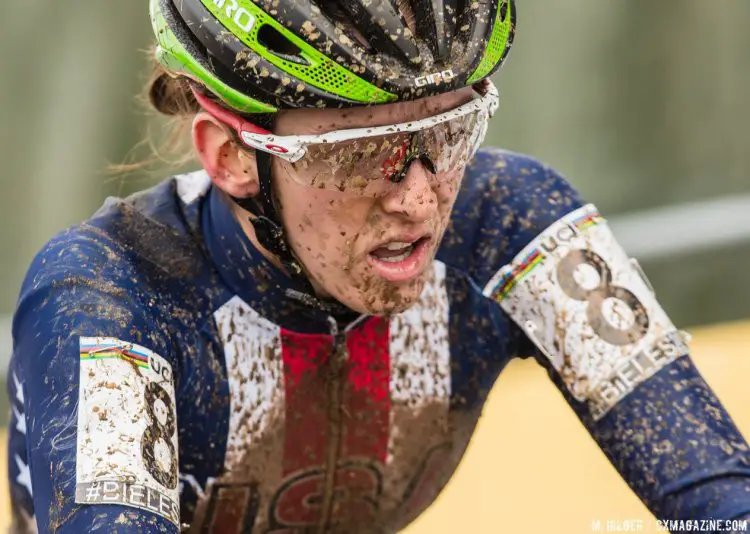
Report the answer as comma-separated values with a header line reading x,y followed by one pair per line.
x,y
259,56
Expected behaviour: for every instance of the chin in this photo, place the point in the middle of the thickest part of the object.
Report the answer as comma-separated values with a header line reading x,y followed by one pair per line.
x,y
389,300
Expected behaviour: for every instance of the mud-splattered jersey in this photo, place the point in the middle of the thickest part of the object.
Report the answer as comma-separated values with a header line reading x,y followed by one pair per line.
x,y
164,380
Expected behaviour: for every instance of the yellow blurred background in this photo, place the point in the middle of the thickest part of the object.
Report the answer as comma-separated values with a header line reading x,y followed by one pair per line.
x,y
531,467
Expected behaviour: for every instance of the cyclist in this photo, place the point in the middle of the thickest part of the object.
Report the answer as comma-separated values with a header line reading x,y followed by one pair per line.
x,y
300,336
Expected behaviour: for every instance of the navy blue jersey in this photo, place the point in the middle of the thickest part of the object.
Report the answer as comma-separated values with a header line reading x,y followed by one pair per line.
x,y
165,379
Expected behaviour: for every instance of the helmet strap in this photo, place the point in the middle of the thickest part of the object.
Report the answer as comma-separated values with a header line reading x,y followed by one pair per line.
x,y
271,235
266,221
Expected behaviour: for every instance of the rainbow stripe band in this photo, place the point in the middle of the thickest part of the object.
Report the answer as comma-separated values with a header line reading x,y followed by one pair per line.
x,y
510,279
588,220
109,351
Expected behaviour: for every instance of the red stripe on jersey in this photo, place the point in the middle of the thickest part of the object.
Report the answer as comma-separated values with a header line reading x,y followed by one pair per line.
x,y
232,509
365,406
304,358
367,401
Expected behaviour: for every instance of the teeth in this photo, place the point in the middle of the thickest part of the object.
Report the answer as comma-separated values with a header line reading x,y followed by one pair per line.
x,y
396,245
396,259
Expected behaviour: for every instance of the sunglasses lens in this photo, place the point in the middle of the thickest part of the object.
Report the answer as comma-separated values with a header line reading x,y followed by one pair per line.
x,y
364,166
358,166
451,144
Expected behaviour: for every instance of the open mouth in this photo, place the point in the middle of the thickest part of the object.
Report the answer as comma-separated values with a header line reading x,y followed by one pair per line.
x,y
396,251
399,261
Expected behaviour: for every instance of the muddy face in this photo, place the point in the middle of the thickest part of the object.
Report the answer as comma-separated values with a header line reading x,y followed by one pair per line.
x,y
369,252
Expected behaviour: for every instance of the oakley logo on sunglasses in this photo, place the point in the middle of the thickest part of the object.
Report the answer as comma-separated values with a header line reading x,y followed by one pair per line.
x,y
435,78
277,148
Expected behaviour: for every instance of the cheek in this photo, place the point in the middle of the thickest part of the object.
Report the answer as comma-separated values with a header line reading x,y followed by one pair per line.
x,y
321,225
446,194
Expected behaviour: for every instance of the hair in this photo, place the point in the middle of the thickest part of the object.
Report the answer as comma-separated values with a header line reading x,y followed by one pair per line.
x,y
171,96
409,16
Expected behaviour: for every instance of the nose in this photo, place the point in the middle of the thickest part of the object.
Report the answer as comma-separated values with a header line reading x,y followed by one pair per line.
x,y
413,198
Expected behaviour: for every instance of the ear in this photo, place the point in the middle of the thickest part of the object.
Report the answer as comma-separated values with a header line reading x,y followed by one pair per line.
x,y
232,169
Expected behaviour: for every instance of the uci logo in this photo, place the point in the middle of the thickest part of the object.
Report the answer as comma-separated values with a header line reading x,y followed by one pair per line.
x,y
435,78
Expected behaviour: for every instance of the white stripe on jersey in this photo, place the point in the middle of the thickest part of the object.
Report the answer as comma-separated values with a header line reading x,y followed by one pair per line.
x,y
252,351
420,387
191,186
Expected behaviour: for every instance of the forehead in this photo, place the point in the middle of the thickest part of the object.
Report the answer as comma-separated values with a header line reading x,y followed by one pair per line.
x,y
315,121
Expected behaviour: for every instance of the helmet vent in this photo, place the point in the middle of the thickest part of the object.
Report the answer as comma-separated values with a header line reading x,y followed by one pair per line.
x,y
270,38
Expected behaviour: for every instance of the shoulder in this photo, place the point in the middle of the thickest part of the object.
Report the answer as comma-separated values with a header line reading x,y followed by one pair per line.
x,y
517,183
117,267
82,283
506,200
159,226
150,235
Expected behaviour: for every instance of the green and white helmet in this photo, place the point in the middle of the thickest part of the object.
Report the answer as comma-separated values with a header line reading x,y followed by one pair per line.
x,y
259,56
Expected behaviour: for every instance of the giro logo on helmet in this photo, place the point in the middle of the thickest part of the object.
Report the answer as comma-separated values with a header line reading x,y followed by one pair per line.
x,y
241,17
435,78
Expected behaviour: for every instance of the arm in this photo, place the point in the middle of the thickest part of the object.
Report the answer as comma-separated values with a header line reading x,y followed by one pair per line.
x,y
94,448
608,345
625,369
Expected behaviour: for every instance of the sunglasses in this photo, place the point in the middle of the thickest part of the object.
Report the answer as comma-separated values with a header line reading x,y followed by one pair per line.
x,y
370,161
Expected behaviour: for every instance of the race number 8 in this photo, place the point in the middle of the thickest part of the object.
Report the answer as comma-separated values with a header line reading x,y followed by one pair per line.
x,y
597,296
156,432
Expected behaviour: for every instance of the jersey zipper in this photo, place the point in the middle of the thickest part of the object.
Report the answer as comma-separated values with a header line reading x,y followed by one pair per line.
x,y
334,393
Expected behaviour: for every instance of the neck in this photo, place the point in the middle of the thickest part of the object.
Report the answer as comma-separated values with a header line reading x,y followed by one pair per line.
x,y
243,217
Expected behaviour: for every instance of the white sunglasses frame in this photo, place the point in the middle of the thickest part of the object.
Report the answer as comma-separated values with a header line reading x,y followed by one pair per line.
x,y
293,148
